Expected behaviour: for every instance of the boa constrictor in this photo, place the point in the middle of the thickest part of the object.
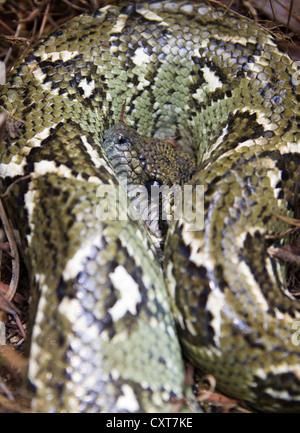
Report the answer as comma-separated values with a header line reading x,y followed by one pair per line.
x,y
104,335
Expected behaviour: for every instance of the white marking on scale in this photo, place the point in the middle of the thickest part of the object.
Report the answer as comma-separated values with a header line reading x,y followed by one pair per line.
x,y
240,239
187,8
44,167
35,349
212,82
203,10
120,24
87,87
40,136
129,293
58,55
72,310
291,147
171,280
12,169
282,395
215,305
212,79
128,400
216,144
47,167
40,75
275,177
76,263
240,39
140,57
150,15
278,369
261,117
29,199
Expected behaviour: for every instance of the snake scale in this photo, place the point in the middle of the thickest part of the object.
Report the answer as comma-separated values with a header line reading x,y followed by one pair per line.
x,y
108,314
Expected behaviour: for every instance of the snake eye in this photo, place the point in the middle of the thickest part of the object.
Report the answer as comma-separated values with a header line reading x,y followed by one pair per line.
x,y
122,140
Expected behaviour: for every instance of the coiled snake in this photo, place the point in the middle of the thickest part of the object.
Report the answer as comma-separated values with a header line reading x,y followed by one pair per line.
x,y
104,337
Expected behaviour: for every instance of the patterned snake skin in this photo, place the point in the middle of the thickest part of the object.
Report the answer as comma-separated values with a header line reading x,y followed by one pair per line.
x,y
106,312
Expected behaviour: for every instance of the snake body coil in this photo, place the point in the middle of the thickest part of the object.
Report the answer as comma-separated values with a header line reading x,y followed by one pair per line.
x,y
104,337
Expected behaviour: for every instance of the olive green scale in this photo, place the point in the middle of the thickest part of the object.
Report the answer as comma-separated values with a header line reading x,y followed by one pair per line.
x,y
111,327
